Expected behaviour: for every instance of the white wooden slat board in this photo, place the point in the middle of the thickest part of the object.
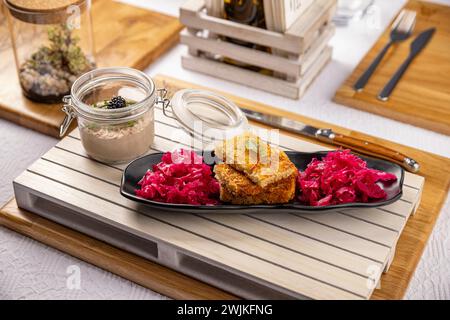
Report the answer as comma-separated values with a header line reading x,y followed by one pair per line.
x,y
298,255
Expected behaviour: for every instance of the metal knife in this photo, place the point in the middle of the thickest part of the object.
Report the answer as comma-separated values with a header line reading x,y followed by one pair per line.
x,y
416,47
329,136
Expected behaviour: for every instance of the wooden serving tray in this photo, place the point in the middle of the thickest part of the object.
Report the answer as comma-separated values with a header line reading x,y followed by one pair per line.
x,y
422,97
409,247
260,255
124,36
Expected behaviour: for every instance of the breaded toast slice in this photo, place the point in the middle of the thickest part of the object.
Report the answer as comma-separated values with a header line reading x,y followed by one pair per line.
x,y
237,188
260,162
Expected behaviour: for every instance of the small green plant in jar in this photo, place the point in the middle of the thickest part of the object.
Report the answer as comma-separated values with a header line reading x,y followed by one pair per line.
x,y
53,45
49,73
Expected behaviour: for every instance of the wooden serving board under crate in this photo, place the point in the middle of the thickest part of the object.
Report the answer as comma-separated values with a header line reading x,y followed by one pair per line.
x,y
301,52
124,36
279,255
422,97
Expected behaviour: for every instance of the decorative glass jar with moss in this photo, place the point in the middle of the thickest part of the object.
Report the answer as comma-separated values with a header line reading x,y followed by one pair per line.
x,y
53,45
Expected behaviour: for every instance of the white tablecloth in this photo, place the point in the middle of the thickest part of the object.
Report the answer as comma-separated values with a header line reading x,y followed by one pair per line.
x,y
31,270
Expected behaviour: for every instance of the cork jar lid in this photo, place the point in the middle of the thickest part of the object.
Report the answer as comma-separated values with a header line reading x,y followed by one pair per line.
x,y
42,6
42,11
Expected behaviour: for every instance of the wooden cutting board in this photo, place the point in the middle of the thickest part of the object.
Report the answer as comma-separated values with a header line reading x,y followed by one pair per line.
x,y
124,36
422,97
412,241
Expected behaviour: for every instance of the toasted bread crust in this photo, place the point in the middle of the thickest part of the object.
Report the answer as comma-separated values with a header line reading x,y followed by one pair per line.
x,y
261,163
237,188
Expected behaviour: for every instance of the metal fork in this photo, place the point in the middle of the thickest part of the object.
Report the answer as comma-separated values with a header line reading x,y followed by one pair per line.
x,y
401,29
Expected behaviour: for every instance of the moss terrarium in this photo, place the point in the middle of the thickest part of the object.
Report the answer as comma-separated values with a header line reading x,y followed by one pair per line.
x,y
49,73
53,45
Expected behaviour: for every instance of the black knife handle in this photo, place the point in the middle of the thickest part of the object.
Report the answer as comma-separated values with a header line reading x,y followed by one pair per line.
x,y
364,78
390,86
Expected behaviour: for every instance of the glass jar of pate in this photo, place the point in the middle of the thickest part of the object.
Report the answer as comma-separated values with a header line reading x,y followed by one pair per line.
x,y
53,45
114,108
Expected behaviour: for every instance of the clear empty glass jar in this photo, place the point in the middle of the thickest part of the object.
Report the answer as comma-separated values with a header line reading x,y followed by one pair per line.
x,y
115,112
53,45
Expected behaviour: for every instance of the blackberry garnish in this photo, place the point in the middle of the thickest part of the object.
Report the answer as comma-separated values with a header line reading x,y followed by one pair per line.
x,y
117,103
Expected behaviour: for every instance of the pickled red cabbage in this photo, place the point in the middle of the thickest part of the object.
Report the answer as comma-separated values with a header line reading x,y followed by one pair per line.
x,y
182,178
340,177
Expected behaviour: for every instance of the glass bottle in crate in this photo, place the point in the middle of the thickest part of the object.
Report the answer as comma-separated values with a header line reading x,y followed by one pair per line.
x,y
53,45
249,12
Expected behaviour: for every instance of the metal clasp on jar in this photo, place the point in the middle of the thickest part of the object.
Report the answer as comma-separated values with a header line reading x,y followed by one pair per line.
x,y
164,102
70,115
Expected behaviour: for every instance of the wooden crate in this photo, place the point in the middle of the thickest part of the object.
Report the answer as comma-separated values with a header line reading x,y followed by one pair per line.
x,y
302,51
333,255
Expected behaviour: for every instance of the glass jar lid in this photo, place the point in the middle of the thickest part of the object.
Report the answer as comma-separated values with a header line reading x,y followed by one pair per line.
x,y
207,115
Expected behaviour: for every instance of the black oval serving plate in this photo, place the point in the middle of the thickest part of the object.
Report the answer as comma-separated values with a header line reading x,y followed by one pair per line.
x,y
136,170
